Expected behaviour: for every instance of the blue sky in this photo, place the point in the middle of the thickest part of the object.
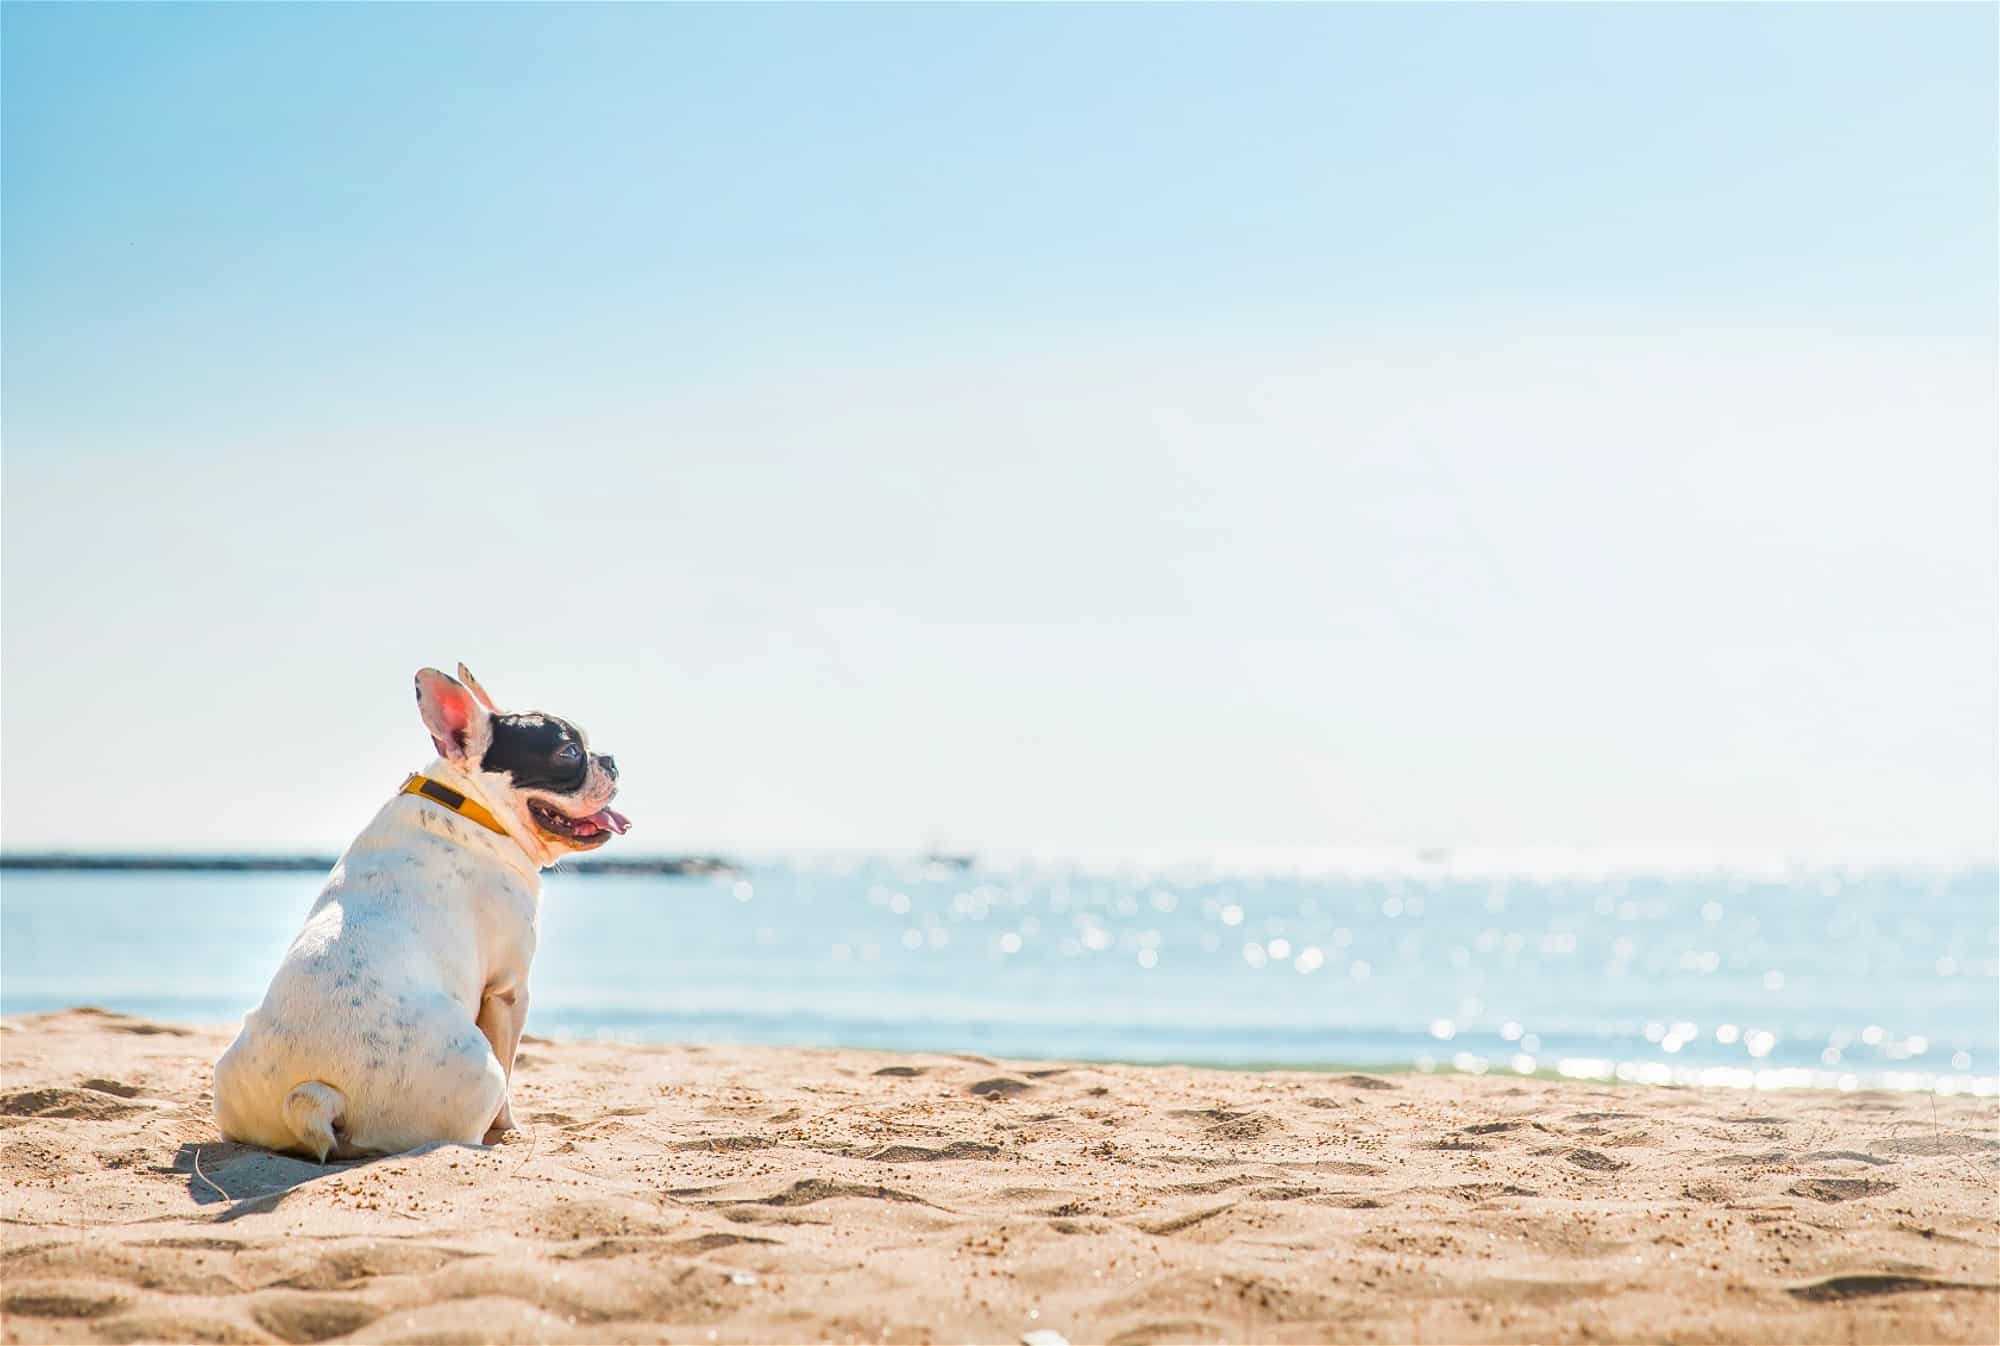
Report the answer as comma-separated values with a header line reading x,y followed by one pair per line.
x,y
1109,427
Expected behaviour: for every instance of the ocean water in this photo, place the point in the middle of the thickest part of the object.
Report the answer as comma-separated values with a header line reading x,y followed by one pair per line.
x,y
1837,978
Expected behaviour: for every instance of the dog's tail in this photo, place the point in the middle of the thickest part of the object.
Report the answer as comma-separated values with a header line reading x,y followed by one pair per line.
x,y
313,1111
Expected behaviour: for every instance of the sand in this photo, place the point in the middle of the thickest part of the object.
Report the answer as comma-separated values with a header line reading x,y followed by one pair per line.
x,y
735,1194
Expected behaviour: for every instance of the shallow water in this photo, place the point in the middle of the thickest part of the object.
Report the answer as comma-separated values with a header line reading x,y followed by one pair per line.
x,y
1835,978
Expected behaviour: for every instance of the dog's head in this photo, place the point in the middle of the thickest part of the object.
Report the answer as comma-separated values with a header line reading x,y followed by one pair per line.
x,y
537,766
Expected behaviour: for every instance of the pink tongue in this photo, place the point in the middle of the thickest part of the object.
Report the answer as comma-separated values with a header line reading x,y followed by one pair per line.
x,y
609,819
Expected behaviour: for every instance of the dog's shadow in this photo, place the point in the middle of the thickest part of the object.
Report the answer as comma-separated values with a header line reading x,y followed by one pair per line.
x,y
245,1180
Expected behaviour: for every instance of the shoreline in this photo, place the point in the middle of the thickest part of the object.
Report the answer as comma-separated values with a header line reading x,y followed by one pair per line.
x,y
1601,1071
678,1193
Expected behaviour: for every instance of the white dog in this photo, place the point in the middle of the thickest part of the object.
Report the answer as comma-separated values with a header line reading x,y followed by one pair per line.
x,y
393,1020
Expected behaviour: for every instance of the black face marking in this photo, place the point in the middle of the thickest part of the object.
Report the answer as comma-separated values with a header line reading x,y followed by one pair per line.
x,y
531,749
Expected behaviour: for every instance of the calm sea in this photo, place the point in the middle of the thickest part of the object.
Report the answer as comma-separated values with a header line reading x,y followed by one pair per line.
x,y
1834,978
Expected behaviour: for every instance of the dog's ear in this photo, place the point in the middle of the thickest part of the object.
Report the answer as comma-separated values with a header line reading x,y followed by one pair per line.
x,y
465,676
451,712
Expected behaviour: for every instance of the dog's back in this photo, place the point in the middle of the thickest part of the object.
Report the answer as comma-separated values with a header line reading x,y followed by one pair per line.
x,y
367,1040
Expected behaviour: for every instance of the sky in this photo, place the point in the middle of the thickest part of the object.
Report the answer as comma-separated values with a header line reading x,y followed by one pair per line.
x,y
1169,429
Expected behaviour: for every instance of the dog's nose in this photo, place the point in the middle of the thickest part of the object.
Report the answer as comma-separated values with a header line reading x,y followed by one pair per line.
x,y
609,764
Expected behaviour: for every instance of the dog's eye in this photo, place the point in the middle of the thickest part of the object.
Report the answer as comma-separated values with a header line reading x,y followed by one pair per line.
x,y
568,752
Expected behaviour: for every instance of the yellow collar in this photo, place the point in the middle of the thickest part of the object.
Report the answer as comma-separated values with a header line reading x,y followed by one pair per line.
x,y
453,800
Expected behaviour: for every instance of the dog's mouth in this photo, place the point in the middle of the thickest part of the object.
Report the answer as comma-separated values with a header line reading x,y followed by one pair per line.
x,y
591,830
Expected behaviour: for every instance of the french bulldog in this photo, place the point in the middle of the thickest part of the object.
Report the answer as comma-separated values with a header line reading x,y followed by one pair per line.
x,y
393,1020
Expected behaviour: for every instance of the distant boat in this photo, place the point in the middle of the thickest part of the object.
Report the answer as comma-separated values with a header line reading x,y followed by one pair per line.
x,y
951,859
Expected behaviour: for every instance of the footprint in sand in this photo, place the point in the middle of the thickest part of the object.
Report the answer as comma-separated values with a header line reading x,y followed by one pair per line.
x,y
1225,1124
80,1105
1476,1192
1767,1157
1835,1288
56,1301
298,1317
807,1191
115,1160
1176,1224
1178,1329
1840,1189
708,1243
1595,1162
918,1154
353,1265
146,1030
1936,1144
725,1144
1714,1193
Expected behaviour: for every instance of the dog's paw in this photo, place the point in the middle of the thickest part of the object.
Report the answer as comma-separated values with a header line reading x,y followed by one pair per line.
x,y
502,1125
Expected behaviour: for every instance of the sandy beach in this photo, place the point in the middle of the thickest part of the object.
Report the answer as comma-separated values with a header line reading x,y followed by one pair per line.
x,y
690,1194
